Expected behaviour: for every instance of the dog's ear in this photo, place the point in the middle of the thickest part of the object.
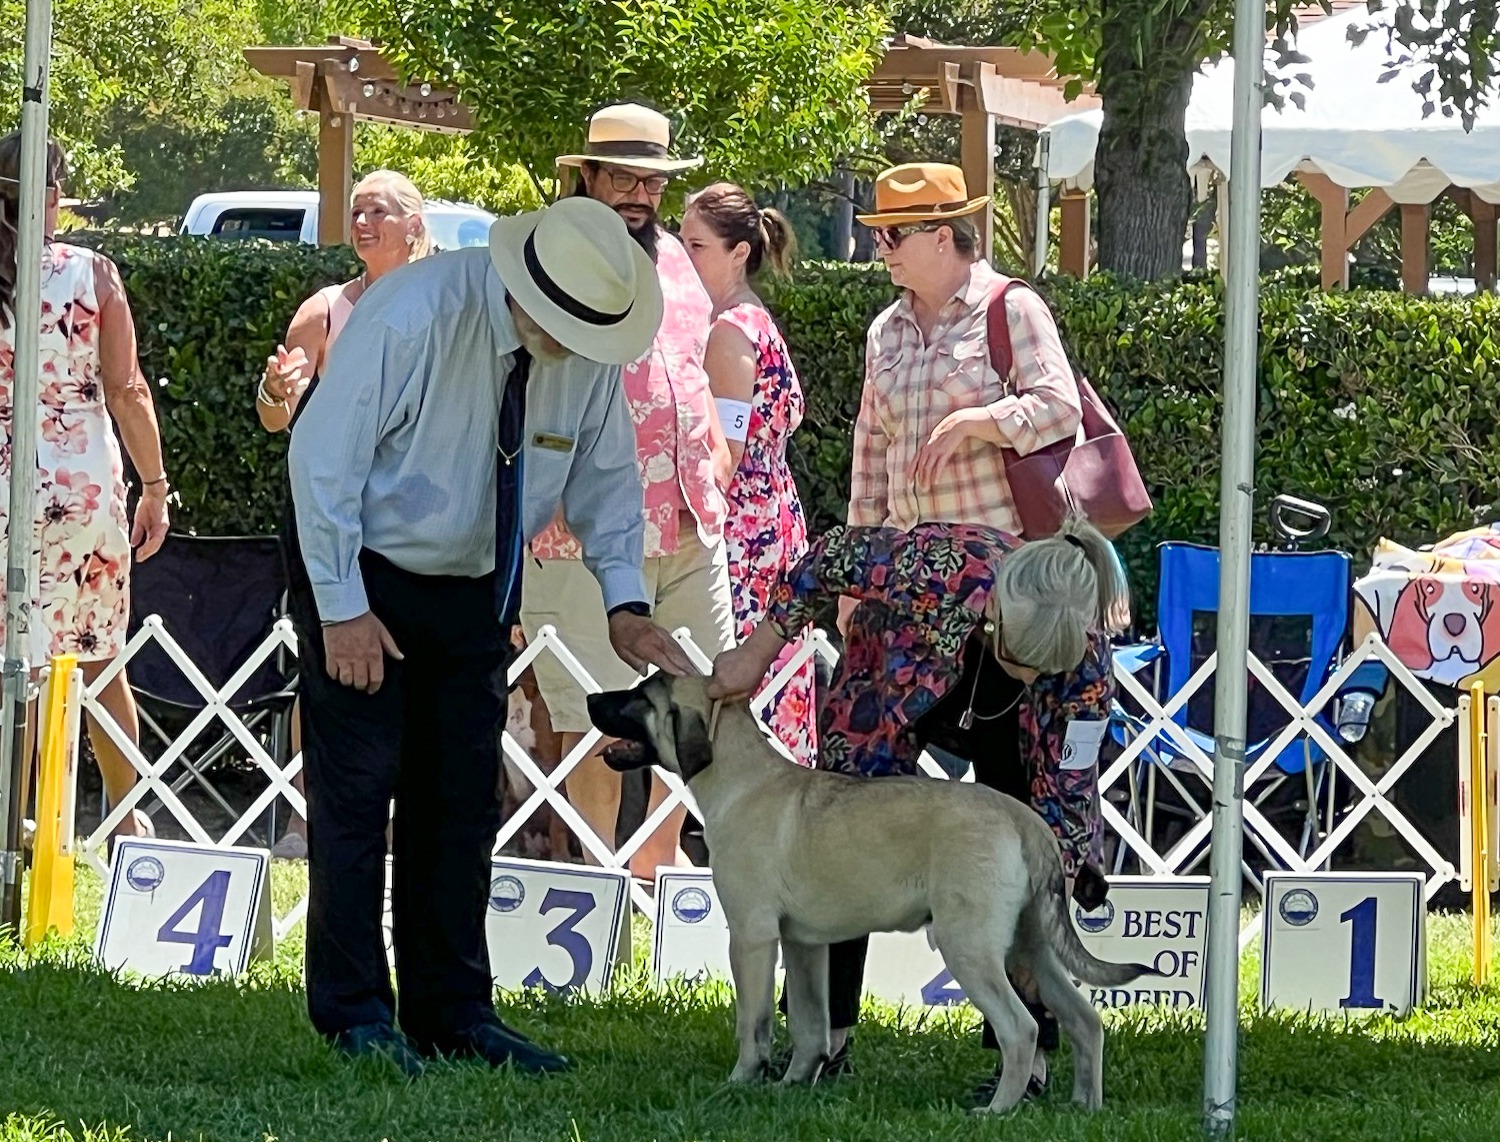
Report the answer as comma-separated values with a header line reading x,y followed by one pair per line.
x,y
694,750
626,714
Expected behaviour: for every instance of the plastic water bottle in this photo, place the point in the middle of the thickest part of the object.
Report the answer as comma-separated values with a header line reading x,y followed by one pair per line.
x,y
1354,715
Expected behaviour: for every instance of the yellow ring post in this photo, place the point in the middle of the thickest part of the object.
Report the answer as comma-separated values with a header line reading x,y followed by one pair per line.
x,y
1479,808
51,902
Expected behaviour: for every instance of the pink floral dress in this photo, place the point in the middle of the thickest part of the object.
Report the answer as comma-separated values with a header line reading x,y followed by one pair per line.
x,y
766,533
80,536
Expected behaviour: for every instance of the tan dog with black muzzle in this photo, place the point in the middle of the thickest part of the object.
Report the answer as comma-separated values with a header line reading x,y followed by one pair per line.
x,y
808,858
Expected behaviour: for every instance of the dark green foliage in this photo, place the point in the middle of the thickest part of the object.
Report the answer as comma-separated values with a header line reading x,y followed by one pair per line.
x,y
208,313
1380,405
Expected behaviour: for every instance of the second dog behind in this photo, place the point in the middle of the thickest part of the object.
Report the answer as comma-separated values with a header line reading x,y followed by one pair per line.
x,y
808,858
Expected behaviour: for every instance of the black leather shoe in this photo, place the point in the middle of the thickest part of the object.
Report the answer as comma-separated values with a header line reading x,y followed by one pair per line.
x,y
838,1065
380,1041
985,1093
491,1041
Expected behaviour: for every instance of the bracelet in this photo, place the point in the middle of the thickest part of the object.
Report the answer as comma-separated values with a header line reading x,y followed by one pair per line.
x,y
264,397
162,479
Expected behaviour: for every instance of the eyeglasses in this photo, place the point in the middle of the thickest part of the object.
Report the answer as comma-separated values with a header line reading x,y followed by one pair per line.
x,y
891,237
625,182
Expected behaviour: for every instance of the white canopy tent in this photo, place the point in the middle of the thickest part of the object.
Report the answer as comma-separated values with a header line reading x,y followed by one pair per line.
x,y
1352,132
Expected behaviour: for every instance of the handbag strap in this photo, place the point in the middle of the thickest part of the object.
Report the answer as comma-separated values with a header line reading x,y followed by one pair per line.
x,y
997,331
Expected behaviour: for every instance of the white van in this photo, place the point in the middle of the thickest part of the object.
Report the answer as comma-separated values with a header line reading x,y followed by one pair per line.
x,y
292,216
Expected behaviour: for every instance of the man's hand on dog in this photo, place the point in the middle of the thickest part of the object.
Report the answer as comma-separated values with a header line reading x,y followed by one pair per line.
x,y
738,672
640,642
356,651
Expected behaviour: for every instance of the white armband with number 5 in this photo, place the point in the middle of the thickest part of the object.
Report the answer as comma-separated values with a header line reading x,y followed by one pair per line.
x,y
734,415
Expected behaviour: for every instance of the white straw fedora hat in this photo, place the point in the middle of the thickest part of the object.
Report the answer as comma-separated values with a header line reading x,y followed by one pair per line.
x,y
629,135
576,271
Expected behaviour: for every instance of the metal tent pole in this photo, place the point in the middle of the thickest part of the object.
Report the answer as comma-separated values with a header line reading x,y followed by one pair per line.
x,y
25,319
1237,502
1043,202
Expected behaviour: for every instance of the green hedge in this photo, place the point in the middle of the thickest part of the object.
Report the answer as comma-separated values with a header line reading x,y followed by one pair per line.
x,y
1379,405
208,313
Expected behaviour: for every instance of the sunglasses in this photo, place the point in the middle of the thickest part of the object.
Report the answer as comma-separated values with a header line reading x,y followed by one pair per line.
x,y
625,182
891,237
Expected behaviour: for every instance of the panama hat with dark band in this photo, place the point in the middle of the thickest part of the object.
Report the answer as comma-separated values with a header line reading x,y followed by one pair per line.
x,y
575,270
630,135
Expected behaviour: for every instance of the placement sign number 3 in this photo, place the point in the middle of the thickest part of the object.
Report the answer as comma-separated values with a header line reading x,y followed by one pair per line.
x,y
565,935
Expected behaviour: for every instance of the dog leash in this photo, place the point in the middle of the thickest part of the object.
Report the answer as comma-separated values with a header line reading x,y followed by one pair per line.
x,y
713,719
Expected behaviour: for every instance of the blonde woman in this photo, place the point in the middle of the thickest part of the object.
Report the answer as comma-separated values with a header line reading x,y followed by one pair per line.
x,y
388,231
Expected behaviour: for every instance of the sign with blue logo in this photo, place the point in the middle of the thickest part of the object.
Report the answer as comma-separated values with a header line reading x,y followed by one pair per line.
x,y
1344,942
1161,921
175,908
560,927
690,939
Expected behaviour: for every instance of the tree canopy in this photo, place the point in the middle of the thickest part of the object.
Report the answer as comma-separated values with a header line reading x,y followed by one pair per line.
x,y
765,90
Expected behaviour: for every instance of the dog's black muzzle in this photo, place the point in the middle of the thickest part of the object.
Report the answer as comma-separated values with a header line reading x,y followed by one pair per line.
x,y
621,714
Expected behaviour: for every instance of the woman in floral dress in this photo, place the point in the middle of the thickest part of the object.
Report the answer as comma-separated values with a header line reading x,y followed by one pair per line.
x,y
968,639
91,384
760,405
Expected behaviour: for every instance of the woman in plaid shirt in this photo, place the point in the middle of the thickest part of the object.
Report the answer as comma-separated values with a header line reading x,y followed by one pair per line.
x,y
929,482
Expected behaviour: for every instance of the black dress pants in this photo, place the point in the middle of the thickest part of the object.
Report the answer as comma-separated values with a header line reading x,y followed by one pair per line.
x,y
426,738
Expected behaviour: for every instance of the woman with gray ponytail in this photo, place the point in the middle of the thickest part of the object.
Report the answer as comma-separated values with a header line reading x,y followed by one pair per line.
x,y
991,649
90,387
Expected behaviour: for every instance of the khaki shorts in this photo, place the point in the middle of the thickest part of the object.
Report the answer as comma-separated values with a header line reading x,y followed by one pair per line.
x,y
689,588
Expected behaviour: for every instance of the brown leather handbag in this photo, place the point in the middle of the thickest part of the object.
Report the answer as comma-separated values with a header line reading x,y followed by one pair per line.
x,y
1094,473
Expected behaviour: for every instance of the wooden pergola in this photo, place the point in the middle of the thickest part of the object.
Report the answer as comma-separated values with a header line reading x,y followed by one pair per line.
x,y
344,81
347,80
986,86
1343,226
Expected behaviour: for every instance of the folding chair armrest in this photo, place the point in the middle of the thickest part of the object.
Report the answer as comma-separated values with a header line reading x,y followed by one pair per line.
x,y
1136,656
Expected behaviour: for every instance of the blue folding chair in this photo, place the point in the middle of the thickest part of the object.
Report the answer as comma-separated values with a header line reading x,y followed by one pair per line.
x,y
1298,599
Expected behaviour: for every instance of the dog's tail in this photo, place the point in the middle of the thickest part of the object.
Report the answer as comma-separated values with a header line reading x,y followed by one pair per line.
x,y
1058,931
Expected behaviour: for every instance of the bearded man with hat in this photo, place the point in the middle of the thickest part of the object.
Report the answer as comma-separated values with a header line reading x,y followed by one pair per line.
x,y
468,397
682,461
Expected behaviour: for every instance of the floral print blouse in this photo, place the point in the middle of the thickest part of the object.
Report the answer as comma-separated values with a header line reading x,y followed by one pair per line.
x,y
923,593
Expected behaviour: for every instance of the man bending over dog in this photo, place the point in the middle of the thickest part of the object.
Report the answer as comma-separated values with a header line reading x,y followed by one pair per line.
x,y
968,639
454,375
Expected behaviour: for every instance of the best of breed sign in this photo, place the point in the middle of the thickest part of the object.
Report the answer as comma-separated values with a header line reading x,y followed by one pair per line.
x,y
1158,921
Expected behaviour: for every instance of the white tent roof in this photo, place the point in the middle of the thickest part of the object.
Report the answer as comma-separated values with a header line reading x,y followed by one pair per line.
x,y
1355,130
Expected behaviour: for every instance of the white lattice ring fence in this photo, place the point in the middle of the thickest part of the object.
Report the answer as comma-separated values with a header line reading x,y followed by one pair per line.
x,y
1120,778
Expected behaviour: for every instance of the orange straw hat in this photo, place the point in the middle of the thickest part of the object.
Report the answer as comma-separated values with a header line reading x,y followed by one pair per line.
x,y
921,192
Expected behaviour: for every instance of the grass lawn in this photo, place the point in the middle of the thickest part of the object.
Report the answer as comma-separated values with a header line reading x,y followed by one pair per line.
x,y
84,1056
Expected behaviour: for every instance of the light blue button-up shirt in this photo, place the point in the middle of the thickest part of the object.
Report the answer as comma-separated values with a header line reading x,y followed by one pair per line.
x,y
396,449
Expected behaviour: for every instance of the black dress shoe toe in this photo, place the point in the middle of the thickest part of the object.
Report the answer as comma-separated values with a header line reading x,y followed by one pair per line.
x,y
380,1041
494,1043
985,1094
